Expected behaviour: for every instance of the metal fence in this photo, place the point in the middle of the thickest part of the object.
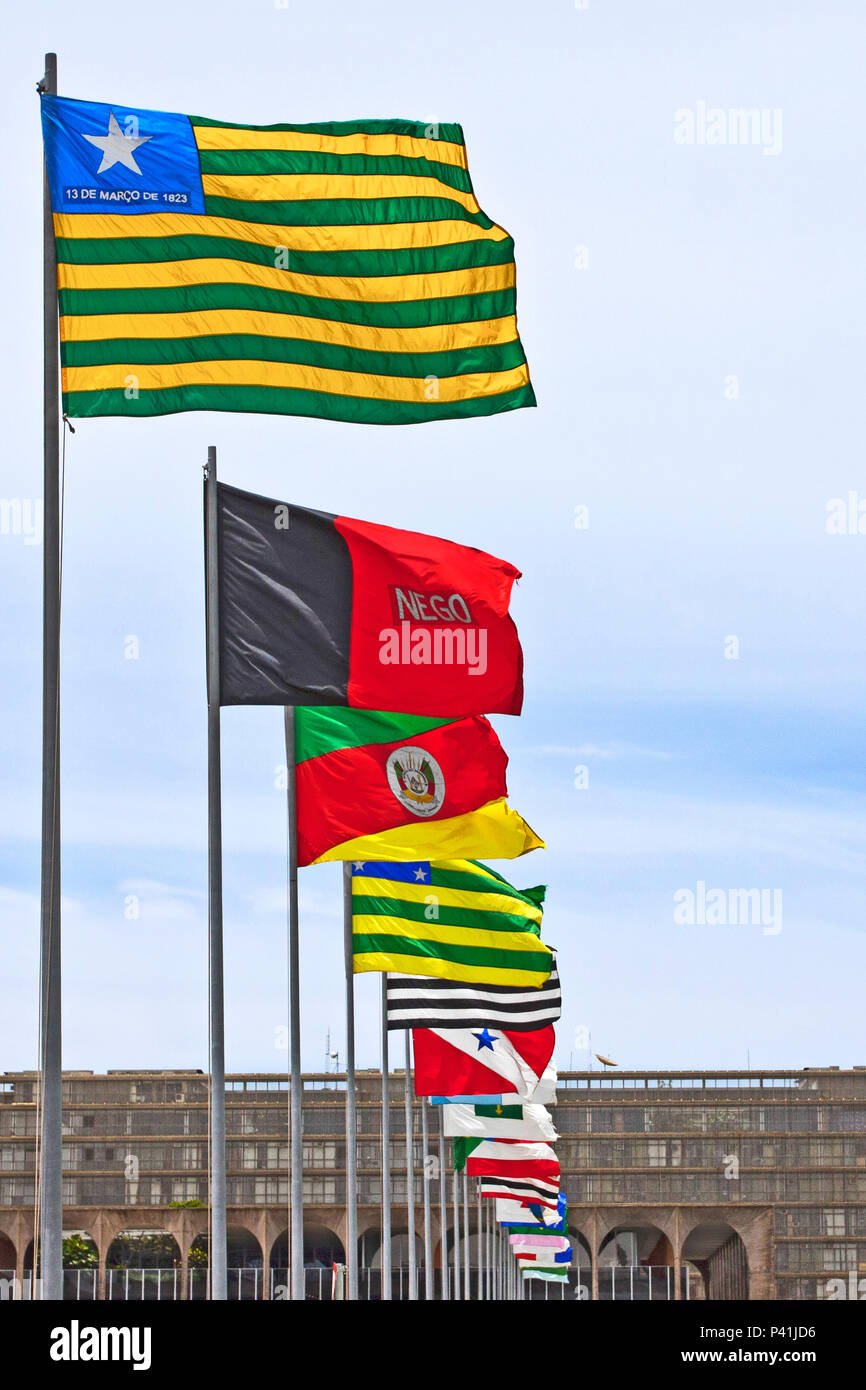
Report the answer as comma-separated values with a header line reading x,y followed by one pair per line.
x,y
637,1283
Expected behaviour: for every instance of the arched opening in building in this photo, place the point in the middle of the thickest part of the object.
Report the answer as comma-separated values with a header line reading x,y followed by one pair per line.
x,y
79,1250
635,1264
322,1249
243,1250
7,1257
716,1250
370,1249
143,1249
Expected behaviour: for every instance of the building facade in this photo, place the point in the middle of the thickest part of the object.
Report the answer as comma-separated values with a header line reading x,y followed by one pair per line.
x,y
680,1184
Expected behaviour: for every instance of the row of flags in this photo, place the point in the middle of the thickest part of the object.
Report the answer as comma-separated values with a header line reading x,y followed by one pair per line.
x,y
483,1052
345,271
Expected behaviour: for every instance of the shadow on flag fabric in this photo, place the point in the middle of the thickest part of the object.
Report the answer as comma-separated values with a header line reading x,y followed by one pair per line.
x,y
458,1061
374,786
320,609
342,270
454,919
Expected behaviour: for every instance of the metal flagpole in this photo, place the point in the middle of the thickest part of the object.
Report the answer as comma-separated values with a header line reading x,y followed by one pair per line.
x,y
456,1235
466,1232
50,1255
443,1210
410,1169
351,1115
386,1150
295,1083
479,1243
488,1241
428,1229
216,1002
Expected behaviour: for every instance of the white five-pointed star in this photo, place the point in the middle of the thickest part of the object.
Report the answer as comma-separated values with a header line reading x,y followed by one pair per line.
x,y
358,865
420,875
116,147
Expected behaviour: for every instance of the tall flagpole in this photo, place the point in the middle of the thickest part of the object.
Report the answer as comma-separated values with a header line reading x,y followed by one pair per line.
x,y
455,1238
351,1115
410,1169
295,1084
466,1289
479,1243
50,1027
386,1151
428,1231
216,1001
443,1210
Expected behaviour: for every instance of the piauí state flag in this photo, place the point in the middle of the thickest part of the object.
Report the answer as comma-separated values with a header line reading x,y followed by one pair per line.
x,y
448,922
318,609
458,1061
519,1121
399,787
342,270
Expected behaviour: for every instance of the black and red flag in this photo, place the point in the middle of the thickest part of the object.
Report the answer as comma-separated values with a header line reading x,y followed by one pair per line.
x,y
318,609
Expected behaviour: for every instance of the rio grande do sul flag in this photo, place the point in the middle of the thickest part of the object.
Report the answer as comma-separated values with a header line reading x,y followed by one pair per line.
x,y
341,270
319,609
460,1061
374,786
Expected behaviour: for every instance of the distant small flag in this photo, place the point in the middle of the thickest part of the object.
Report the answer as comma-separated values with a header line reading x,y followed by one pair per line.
x,y
425,1003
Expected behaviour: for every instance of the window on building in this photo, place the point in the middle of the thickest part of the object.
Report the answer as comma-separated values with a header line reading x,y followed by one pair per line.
x,y
321,1154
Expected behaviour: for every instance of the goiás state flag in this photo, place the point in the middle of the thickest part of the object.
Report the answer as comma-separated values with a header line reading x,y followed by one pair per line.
x,y
446,921
342,270
460,1061
521,1171
375,786
319,609
528,1122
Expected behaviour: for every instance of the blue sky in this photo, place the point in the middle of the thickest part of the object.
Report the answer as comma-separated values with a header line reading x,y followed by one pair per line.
x,y
698,366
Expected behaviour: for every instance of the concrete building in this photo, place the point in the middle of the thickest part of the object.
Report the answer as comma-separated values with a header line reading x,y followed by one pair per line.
x,y
680,1184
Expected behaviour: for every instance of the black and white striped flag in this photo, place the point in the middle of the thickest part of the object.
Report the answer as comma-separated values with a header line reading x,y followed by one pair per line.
x,y
417,1001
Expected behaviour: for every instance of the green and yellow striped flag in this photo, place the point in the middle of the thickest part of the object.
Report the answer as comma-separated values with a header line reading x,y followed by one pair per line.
x,y
342,270
454,919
